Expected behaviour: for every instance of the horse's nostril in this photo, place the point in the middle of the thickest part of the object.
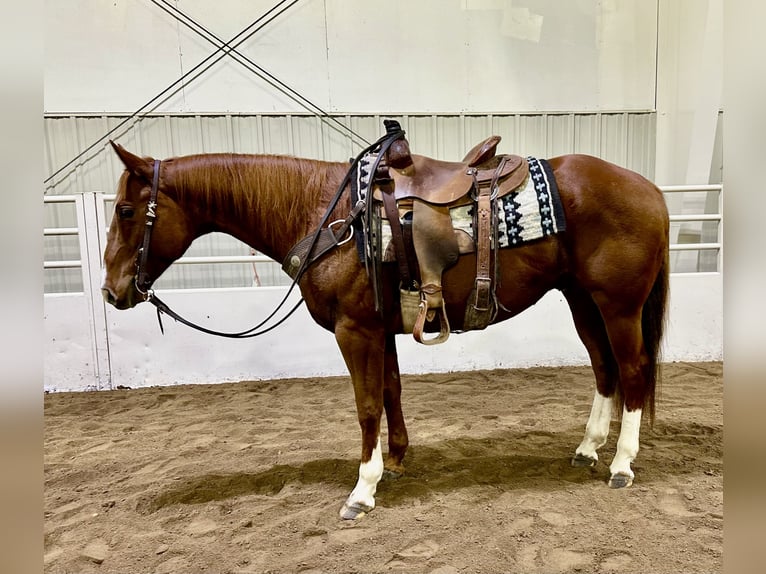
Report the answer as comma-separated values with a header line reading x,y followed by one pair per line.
x,y
108,296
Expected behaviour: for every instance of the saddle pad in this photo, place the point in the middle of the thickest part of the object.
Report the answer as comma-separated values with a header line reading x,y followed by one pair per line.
x,y
531,212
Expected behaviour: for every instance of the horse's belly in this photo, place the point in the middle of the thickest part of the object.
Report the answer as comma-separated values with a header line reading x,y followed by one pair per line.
x,y
524,275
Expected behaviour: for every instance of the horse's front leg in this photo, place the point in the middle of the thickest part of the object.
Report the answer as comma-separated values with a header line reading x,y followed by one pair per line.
x,y
363,349
392,401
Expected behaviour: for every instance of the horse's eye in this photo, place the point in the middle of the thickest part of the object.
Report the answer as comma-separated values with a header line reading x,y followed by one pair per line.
x,y
125,212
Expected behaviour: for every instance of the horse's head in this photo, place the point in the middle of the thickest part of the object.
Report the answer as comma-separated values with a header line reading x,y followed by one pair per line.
x,y
169,236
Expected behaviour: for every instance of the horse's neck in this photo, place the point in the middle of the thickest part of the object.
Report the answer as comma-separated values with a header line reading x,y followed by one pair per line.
x,y
268,202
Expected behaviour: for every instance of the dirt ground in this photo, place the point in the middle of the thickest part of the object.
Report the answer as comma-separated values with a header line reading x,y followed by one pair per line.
x,y
249,477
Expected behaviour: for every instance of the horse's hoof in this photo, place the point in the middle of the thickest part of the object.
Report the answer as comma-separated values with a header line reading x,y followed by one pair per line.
x,y
620,480
389,474
354,511
581,460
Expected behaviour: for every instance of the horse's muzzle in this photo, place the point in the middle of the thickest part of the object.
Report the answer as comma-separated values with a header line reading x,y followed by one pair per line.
x,y
112,299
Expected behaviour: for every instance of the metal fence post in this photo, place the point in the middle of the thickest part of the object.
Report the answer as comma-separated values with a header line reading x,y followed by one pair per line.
x,y
91,222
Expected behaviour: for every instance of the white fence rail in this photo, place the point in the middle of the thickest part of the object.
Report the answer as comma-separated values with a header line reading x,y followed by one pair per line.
x,y
92,346
102,199
695,238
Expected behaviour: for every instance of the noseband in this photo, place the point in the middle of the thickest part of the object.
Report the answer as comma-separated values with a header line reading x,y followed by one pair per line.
x,y
143,281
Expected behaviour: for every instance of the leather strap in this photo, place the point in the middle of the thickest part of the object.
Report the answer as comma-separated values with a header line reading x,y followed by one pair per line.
x,y
310,249
484,225
143,282
409,248
397,234
481,305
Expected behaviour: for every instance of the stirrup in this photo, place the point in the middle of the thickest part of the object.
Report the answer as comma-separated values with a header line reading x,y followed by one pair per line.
x,y
417,331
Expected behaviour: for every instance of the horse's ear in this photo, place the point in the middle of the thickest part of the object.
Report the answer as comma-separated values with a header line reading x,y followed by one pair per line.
x,y
142,167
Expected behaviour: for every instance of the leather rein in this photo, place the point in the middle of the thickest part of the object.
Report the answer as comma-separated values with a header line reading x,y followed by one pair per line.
x,y
143,282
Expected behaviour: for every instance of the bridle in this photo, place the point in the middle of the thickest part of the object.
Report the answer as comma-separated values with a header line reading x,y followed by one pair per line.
x,y
143,281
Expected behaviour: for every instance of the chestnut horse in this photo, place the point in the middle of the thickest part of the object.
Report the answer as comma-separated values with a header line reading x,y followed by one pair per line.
x,y
611,264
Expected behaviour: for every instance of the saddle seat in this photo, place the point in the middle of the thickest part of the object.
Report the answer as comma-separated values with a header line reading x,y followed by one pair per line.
x,y
429,188
444,183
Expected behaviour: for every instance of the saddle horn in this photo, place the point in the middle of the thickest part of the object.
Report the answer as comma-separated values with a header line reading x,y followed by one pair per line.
x,y
398,154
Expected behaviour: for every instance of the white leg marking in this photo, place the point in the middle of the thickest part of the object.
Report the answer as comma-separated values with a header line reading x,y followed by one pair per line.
x,y
597,428
627,444
370,473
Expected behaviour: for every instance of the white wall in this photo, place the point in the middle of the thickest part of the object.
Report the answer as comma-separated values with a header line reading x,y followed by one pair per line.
x,y
358,55
139,355
689,89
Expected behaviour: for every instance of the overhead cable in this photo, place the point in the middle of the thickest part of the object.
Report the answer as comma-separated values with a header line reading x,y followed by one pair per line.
x,y
172,90
263,74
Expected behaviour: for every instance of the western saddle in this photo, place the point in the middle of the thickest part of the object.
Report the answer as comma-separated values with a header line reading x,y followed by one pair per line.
x,y
415,193
429,188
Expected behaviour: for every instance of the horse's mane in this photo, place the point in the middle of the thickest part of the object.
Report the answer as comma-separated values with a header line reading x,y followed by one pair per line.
x,y
241,184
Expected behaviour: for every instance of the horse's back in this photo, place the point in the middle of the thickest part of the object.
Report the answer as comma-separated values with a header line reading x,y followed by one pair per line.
x,y
596,191
580,173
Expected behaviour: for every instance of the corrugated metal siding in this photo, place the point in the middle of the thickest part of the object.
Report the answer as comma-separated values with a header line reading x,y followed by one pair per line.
x,y
626,138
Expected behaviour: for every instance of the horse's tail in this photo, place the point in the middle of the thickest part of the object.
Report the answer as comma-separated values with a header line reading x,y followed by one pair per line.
x,y
653,321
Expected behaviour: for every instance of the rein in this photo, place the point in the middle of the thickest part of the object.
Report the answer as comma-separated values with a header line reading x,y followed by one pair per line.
x,y
143,282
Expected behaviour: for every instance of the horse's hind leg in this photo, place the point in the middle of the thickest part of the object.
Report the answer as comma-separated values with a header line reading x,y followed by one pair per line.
x,y
590,328
392,402
635,368
363,349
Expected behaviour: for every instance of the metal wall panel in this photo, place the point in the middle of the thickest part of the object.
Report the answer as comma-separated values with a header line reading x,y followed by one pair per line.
x,y
624,138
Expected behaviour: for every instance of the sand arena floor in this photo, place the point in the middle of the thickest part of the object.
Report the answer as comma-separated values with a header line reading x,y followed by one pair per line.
x,y
249,477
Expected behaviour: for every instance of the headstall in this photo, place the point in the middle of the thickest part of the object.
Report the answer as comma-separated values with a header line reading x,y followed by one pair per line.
x,y
142,281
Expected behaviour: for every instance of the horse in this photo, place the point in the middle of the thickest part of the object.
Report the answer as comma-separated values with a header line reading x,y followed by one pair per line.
x,y
611,265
